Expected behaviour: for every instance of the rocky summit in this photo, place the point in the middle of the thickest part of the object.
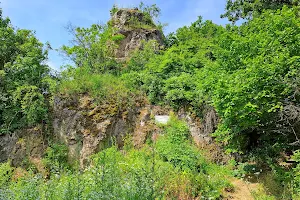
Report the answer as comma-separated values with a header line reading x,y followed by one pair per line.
x,y
135,27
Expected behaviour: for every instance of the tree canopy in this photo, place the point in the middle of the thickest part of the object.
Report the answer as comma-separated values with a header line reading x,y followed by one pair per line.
x,y
246,9
23,70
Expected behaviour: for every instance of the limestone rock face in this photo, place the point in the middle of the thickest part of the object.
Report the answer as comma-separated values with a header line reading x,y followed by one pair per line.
x,y
201,130
68,125
136,28
22,145
7,143
145,127
133,40
126,18
86,130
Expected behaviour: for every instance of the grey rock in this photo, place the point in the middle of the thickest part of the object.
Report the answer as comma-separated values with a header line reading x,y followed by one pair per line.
x,y
21,145
86,136
7,143
201,129
136,28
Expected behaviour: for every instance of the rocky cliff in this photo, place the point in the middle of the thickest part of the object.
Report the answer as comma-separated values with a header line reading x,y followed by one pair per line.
x,y
135,27
23,146
87,128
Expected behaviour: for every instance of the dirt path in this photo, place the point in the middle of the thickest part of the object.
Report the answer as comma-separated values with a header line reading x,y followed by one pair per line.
x,y
242,190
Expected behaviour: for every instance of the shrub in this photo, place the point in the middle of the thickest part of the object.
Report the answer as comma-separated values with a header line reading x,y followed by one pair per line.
x,y
26,188
5,174
118,38
105,89
175,147
56,158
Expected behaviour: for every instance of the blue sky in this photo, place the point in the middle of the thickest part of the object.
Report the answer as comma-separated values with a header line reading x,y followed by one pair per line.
x,y
48,18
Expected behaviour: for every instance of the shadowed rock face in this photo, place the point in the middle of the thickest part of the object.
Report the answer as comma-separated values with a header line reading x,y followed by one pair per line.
x,y
136,28
21,145
7,143
133,40
201,130
75,125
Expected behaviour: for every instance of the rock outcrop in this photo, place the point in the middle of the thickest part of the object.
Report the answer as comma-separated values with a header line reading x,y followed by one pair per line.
x,y
22,146
201,129
7,143
135,27
86,129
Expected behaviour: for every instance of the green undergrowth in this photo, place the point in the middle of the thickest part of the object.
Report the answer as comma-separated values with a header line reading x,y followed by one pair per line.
x,y
105,89
169,168
101,86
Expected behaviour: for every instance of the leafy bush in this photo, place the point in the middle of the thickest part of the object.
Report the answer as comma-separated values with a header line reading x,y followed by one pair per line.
x,y
239,9
118,38
140,57
174,146
93,48
31,102
180,91
26,188
56,158
152,172
248,84
5,174
106,89
191,169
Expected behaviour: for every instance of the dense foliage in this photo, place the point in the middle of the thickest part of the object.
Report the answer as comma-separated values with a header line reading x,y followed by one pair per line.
x,y
248,74
92,48
246,9
152,172
251,83
22,78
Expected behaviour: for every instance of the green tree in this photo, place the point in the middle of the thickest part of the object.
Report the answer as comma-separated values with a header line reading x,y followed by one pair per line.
x,y
151,12
22,74
93,48
168,75
251,82
246,9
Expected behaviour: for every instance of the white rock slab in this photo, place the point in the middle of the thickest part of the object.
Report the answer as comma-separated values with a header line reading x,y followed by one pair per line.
x,y
162,119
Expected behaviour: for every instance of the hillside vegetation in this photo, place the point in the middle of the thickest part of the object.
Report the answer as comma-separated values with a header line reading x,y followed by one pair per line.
x,y
248,74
